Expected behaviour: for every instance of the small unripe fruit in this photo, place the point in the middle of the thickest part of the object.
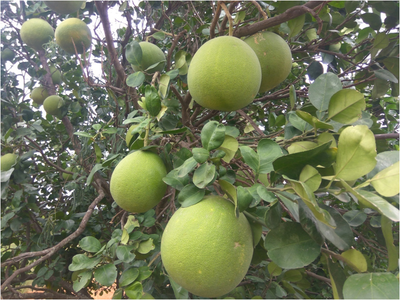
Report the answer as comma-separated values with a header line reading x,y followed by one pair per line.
x,y
52,105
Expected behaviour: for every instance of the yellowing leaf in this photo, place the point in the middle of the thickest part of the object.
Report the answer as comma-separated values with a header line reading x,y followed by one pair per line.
x,y
386,182
229,146
355,259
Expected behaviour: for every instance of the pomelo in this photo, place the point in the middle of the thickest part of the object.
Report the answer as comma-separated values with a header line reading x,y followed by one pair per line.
x,y
52,105
224,74
55,75
39,94
7,54
7,161
151,55
73,31
136,183
275,58
206,249
35,32
68,177
64,7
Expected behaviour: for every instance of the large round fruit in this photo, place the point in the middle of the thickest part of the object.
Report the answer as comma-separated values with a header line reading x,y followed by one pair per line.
x,y
7,54
75,30
7,161
206,249
52,105
224,74
136,183
275,58
55,75
151,55
64,7
36,32
39,94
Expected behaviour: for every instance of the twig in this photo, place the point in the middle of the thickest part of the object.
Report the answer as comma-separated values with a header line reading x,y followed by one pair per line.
x,y
250,120
215,20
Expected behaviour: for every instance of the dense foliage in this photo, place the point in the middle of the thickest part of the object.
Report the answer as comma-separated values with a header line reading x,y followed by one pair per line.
x,y
314,161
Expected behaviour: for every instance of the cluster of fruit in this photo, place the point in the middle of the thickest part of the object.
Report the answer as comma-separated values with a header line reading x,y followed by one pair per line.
x,y
72,35
205,248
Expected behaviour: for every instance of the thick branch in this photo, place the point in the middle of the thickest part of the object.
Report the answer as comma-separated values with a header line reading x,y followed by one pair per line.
x,y
289,14
385,136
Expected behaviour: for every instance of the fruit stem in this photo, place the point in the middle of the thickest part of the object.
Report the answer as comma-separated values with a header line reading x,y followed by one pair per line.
x,y
260,9
228,15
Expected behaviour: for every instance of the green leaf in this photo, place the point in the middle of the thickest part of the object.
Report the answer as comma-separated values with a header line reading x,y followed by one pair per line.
x,y
273,215
384,160
212,135
106,274
355,259
180,59
96,168
346,106
341,236
322,89
82,280
134,291
135,79
374,202
393,253
311,177
152,100
292,164
273,269
123,253
386,182
179,292
337,277
128,276
229,189
177,182
133,53
385,75
190,195
301,146
230,147
313,121
146,246
164,85
90,244
244,198
290,247
84,134
355,217
292,96
309,223
268,151
158,35
374,20
356,153
81,261
371,286
298,122
187,167
251,158
296,25
200,155
204,175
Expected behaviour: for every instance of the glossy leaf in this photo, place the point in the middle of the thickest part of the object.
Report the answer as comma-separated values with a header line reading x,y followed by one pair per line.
x,y
179,292
301,146
200,154
296,25
146,246
346,106
290,247
393,253
273,215
82,280
384,160
251,158
273,269
356,153
175,181
311,177
355,217
230,147
322,89
204,175
133,53
244,198
309,223
313,121
123,253
164,85
371,286
128,276
386,182
190,195
337,277
212,135
81,261
90,244
135,79
187,167
134,291
268,150
106,274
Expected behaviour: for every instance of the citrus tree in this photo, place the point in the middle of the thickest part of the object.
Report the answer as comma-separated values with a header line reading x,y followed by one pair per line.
x,y
179,149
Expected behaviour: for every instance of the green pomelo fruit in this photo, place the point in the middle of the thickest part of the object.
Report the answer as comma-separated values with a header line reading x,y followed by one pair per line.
x,y
39,94
136,183
55,75
64,7
7,161
7,54
275,58
73,31
206,249
52,105
138,143
36,32
151,55
224,74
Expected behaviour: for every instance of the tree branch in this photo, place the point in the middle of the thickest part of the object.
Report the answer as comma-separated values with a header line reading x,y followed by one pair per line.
x,y
289,14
